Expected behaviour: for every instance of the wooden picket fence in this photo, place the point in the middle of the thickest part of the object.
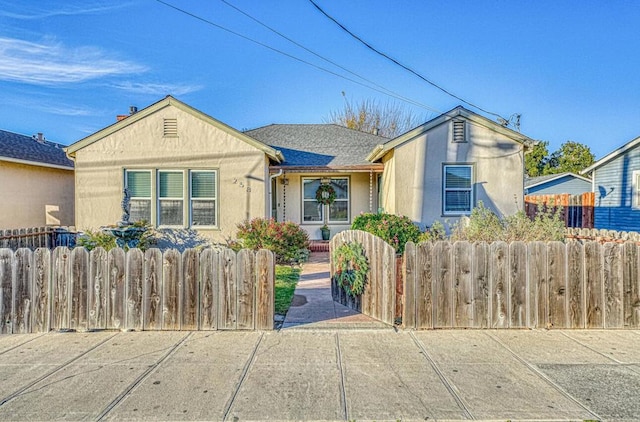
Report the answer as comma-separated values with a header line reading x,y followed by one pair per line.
x,y
601,235
522,285
576,210
379,298
73,289
37,237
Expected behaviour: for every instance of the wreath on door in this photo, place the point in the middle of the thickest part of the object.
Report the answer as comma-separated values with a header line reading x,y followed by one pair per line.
x,y
325,194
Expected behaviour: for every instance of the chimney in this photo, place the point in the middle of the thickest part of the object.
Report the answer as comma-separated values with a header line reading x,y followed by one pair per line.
x,y
132,110
40,137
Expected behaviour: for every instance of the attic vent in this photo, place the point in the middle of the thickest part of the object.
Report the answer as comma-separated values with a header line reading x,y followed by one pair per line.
x,y
170,128
458,131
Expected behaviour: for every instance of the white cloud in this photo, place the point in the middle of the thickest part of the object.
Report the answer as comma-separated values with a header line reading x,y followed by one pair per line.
x,y
27,11
51,63
158,89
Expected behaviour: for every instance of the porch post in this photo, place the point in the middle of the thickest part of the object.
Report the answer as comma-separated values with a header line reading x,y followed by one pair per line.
x,y
370,190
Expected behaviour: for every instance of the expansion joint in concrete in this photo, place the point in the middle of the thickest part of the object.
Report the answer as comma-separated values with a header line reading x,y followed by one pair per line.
x,y
542,376
245,371
445,381
52,372
141,378
343,391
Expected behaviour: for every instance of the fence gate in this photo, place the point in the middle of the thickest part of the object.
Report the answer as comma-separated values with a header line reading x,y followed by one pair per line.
x,y
379,297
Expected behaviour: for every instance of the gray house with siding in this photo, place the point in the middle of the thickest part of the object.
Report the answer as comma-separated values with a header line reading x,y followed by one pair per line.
x,y
616,183
553,184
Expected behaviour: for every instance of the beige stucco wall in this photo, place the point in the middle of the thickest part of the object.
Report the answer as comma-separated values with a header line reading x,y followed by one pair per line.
x,y
289,199
415,170
34,196
242,169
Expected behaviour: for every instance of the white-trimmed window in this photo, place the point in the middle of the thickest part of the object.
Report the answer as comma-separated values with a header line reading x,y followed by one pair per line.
x,y
457,189
635,196
170,198
138,183
339,209
337,212
203,198
312,211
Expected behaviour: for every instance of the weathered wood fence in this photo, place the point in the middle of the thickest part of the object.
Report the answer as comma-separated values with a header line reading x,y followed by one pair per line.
x,y
37,237
577,210
379,297
66,289
600,235
522,285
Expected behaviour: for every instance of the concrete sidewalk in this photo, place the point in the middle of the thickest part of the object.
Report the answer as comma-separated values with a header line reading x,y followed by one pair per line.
x,y
321,375
312,305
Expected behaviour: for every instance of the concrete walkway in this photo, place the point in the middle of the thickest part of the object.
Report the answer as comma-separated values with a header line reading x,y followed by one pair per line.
x,y
312,305
321,375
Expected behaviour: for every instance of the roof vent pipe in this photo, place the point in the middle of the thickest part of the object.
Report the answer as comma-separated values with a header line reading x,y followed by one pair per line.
x,y
40,137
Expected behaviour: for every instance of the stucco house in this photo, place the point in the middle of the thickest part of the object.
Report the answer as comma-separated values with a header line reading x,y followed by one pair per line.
x,y
616,183
553,184
185,169
36,182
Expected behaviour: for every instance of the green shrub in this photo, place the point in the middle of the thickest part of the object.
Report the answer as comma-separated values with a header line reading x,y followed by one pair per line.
x,y
286,240
434,233
396,230
92,239
351,268
484,225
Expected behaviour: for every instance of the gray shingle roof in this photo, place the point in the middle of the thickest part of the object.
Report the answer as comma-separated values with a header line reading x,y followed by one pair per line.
x,y
318,145
533,181
14,146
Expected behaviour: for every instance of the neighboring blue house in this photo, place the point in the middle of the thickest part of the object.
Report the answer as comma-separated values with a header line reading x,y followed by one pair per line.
x,y
616,183
554,184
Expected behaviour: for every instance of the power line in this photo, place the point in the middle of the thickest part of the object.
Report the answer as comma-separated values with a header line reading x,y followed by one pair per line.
x,y
382,91
372,48
390,92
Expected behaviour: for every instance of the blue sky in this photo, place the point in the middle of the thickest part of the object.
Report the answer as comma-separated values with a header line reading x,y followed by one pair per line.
x,y
67,68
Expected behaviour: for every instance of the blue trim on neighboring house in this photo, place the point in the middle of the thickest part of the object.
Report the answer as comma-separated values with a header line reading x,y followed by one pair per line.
x,y
565,184
613,186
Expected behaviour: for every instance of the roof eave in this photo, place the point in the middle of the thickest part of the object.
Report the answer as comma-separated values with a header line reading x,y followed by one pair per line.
x,y
616,153
376,167
166,102
459,111
36,163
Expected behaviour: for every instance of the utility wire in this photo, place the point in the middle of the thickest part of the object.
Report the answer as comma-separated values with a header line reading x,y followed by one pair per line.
x,y
382,91
372,48
391,93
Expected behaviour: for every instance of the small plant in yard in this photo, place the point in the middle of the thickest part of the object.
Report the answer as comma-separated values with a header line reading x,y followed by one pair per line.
x,y
286,279
286,240
92,239
484,225
351,268
434,233
396,230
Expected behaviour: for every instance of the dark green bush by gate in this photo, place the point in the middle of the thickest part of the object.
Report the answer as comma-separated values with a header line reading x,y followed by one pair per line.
x,y
396,230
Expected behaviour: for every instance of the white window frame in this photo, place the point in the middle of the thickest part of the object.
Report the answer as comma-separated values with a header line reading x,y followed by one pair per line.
x,y
348,201
214,198
445,190
635,195
304,200
159,199
141,198
324,210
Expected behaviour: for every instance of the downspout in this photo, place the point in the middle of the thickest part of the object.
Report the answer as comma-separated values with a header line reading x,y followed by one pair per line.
x,y
273,176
